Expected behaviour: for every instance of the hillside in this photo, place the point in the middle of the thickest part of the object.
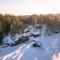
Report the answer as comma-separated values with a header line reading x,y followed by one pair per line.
x,y
49,49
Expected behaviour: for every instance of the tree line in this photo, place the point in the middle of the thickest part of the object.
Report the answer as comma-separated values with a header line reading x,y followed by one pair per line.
x,y
13,24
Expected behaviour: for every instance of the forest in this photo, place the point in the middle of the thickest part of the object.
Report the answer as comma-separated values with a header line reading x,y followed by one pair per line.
x,y
16,24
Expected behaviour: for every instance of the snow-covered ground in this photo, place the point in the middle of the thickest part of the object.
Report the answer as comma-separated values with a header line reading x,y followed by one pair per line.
x,y
49,50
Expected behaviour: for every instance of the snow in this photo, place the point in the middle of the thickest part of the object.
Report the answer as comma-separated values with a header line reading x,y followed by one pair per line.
x,y
16,37
26,30
26,34
16,54
49,50
35,33
7,50
8,39
56,56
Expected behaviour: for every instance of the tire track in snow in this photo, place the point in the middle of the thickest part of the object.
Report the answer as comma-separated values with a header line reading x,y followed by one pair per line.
x,y
17,55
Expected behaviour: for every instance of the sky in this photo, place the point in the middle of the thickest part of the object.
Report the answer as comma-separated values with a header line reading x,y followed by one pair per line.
x,y
28,7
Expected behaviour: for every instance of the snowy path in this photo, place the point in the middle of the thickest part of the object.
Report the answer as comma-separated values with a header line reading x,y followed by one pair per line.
x,y
26,52
16,55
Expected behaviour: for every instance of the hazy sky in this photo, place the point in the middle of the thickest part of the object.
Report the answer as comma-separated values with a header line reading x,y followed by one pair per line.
x,y
23,7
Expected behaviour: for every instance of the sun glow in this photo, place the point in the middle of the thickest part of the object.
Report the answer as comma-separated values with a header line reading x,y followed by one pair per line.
x,y
23,7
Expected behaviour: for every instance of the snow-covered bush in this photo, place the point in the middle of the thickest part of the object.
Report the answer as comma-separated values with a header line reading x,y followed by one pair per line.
x,y
35,32
39,27
35,35
21,40
26,30
7,40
